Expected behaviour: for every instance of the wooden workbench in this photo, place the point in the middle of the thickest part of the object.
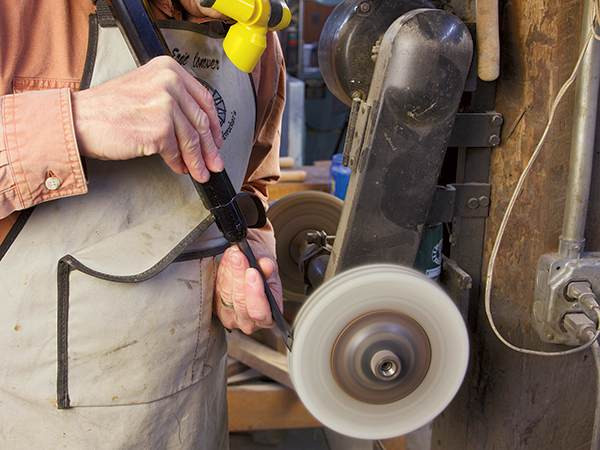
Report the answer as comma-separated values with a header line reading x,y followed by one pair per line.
x,y
317,179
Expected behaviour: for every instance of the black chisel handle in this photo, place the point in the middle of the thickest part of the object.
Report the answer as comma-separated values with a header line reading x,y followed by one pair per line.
x,y
218,196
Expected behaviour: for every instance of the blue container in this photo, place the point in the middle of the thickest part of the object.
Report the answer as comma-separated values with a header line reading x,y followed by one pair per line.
x,y
340,175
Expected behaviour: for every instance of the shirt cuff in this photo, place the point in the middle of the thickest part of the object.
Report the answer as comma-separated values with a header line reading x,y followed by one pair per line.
x,y
39,158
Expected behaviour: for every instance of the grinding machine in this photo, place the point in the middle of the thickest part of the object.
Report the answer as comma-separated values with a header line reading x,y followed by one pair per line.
x,y
379,349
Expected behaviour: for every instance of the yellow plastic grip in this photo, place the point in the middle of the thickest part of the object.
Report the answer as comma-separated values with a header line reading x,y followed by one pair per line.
x,y
247,39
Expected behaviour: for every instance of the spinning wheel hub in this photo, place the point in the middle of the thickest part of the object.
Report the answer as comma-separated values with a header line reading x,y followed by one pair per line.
x,y
381,357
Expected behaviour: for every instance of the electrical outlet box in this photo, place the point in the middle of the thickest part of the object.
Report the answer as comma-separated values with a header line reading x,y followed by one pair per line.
x,y
550,302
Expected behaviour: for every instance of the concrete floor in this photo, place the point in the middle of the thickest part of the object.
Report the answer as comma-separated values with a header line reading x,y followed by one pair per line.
x,y
298,439
317,439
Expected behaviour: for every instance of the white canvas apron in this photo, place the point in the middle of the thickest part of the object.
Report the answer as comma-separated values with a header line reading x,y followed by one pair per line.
x,y
107,335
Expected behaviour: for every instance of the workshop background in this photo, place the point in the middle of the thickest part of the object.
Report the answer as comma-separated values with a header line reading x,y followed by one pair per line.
x,y
509,400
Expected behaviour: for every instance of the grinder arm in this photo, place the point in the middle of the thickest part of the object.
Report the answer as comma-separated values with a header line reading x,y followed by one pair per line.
x,y
397,138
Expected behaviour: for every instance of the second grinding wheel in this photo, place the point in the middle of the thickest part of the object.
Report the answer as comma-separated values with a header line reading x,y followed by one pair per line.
x,y
379,351
293,217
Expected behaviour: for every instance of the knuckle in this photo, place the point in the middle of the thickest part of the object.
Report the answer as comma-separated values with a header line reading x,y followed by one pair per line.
x,y
208,98
201,122
170,76
189,141
247,328
163,132
167,101
228,322
226,291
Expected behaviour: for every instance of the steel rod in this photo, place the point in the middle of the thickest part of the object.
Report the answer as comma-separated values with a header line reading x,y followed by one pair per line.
x,y
579,181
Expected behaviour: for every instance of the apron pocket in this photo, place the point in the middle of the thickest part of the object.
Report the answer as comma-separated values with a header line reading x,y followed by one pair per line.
x,y
134,337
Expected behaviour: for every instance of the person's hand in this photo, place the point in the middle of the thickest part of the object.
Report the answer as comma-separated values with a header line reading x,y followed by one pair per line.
x,y
158,108
193,7
239,298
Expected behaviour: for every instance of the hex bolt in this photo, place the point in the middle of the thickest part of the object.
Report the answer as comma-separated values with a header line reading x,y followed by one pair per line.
x,y
365,7
473,203
494,140
484,201
497,120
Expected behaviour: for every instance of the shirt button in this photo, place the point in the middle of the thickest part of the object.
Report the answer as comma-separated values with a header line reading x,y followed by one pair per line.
x,y
52,183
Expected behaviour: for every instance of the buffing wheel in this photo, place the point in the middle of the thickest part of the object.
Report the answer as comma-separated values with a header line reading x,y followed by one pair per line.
x,y
293,217
379,351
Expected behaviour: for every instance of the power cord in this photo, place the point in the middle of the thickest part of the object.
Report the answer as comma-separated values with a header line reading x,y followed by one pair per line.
x,y
513,200
596,428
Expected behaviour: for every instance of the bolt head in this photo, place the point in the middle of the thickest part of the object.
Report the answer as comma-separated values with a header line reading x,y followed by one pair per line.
x,y
497,120
494,140
365,7
473,203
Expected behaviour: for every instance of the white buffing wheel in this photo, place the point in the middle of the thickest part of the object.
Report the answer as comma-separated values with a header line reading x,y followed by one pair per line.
x,y
344,312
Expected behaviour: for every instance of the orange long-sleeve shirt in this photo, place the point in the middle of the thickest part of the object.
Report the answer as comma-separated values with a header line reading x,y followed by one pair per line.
x,y
43,47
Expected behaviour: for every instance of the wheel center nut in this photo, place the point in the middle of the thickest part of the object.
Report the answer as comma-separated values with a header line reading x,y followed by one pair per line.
x,y
385,365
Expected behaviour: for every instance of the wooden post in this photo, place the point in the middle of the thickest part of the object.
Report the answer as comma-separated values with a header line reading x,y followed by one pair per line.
x,y
510,400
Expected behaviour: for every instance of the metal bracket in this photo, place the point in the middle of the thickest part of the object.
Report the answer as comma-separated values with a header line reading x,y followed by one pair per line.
x,y
442,206
355,135
476,130
457,283
472,199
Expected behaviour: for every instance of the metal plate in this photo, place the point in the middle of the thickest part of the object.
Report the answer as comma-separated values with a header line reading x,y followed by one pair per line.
x,y
293,217
351,295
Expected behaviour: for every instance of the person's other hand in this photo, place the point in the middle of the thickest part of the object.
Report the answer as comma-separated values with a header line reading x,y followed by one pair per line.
x,y
158,108
239,298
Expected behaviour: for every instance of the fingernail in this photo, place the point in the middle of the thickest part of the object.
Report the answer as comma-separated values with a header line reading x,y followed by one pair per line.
x,y
236,261
251,276
219,163
204,175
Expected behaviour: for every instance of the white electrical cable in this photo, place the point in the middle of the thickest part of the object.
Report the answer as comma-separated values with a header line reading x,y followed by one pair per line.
x,y
511,204
596,429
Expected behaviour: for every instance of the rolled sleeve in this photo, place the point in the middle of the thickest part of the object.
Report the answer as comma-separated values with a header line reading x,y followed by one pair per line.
x,y
39,159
